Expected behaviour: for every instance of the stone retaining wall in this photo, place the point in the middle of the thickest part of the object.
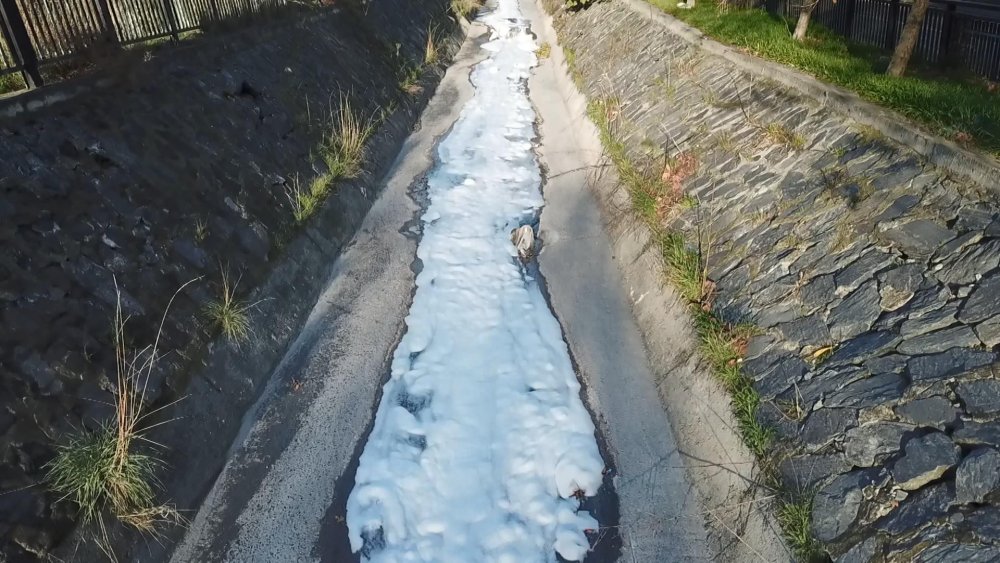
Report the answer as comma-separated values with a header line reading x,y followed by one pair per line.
x,y
154,174
873,275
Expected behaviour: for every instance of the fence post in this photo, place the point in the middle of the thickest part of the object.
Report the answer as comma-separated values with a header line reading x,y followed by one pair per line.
x,y
21,43
891,24
849,18
110,29
168,10
949,51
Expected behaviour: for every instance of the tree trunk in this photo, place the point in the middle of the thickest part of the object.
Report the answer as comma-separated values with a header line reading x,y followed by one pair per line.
x,y
908,39
802,26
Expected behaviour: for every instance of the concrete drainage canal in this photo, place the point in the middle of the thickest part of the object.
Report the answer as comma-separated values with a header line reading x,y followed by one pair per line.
x,y
482,448
471,384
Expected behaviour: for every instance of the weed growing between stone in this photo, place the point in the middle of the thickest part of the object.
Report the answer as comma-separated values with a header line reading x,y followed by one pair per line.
x,y
722,343
794,516
782,135
465,8
430,49
104,470
543,51
343,148
228,313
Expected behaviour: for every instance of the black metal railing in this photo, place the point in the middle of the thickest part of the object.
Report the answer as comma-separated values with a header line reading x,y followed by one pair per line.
x,y
962,33
36,33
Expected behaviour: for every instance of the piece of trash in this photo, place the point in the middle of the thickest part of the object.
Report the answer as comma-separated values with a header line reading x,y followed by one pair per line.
x,y
523,238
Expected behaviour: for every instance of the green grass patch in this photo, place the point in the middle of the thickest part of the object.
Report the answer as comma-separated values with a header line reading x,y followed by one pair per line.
x,y
343,148
11,83
683,267
112,469
795,518
88,471
228,313
958,107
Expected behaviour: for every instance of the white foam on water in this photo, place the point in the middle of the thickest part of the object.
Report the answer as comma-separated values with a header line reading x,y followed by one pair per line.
x,y
481,440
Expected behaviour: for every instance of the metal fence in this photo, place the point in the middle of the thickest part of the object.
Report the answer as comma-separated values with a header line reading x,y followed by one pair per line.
x,y
962,33
35,33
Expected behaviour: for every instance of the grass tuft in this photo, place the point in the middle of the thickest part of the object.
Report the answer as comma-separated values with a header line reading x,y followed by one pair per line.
x,y
105,469
343,149
781,135
228,313
544,50
795,518
200,230
465,8
431,55
683,267
90,470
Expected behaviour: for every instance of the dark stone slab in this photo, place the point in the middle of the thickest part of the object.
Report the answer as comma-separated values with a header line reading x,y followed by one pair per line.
x,y
861,270
806,331
933,411
958,553
897,286
977,475
770,416
861,552
974,433
981,396
988,331
856,313
835,506
925,459
758,345
930,321
875,390
974,217
947,364
818,385
762,363
919,238
781,312
964,267
898,208
802,472
819,292
985,524
939,341
783,375
893,363
859,349
825,425
983,302
919,509
866,445
951,249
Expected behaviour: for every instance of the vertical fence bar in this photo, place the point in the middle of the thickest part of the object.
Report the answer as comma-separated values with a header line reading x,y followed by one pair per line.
x,y
890,25
171,14
947,46
849,18
108,22
21,43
